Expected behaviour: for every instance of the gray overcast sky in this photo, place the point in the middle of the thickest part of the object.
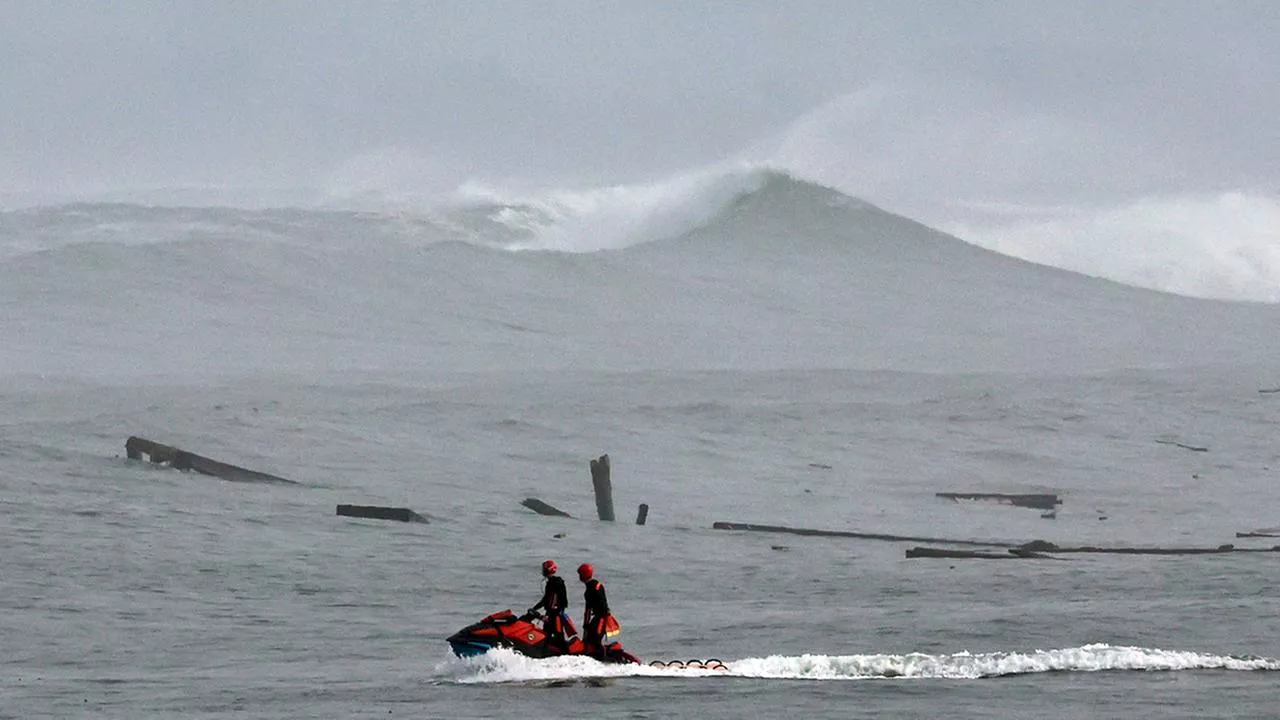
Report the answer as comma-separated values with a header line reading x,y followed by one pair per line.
x,y
907,104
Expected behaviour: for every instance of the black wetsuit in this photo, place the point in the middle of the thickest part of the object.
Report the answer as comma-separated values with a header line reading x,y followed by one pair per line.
x,y
596,609
555,598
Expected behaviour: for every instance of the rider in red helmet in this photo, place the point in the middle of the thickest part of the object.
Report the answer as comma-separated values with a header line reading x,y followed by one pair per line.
x,y
596,609
555,600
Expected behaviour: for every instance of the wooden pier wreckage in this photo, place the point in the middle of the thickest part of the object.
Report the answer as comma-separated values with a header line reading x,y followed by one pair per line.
x,y
377,512
1034,550
136,448
601,486
1037,501
158,453
1273,532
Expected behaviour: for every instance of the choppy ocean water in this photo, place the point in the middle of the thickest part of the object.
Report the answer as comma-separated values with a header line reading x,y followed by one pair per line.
x,y
144,592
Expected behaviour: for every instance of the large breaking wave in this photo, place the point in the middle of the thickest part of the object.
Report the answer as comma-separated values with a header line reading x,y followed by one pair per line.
x,y
502,666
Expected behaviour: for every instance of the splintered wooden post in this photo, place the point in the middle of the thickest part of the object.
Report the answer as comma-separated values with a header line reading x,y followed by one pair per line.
x,y
603,488
643,514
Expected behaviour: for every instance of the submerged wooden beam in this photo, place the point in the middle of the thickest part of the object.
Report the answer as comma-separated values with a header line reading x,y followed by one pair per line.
x,y
1184,446
1011,554
1039,501
542,508
857,535
135,447
376,512
603,486
1042,546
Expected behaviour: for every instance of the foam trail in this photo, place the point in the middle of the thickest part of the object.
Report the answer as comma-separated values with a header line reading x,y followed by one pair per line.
x,y
502,666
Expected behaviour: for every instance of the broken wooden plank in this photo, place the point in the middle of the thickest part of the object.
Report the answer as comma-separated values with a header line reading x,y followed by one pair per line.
x,y
542,508
1039,501
1184,446
376,512
1042,546
928,552
135,447
750,527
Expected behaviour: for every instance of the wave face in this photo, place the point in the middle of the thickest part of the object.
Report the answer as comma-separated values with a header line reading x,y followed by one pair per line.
x,y
503,666
746,269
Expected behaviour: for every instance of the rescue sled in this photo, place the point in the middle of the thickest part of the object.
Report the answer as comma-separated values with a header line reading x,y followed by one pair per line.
x,y
524,635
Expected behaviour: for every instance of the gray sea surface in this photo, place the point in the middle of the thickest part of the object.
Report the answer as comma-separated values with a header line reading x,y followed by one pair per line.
x,y
133,590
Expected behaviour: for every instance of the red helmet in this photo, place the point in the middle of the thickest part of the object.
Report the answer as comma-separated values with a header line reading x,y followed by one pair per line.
x,y
585,571
549,567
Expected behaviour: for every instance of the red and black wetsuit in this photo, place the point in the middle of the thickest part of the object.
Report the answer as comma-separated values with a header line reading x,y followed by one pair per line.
x,y
596,609
555,598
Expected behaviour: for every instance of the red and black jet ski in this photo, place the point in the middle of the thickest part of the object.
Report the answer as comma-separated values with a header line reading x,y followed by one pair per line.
x,y
524,635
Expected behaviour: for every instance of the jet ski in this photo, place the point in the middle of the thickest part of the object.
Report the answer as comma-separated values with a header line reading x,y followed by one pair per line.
x,y
524,635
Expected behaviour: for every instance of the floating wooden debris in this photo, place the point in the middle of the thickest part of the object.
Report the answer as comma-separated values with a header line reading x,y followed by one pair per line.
x,y
820,466
1268,391
1038,501
542,508
603,487
1048,547
849,534
1184,446
1010,554
642,513
1260,533
135,447
380,513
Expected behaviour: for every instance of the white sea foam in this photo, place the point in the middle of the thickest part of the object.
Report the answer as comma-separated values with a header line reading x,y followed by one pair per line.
x,y
1225,246
503,666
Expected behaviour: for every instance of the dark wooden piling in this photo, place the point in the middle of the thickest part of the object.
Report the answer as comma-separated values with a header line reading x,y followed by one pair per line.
x,y
376,512
542,508
603,486
1038,501
135,447
642,514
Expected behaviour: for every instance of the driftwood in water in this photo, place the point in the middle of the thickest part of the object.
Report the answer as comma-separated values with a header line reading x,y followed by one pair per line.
x,y
135,447
642,514
1268,391
1184,446
542,508
1042,546
1039,501
848,534
1261,533
603,487
380,513
1011,554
